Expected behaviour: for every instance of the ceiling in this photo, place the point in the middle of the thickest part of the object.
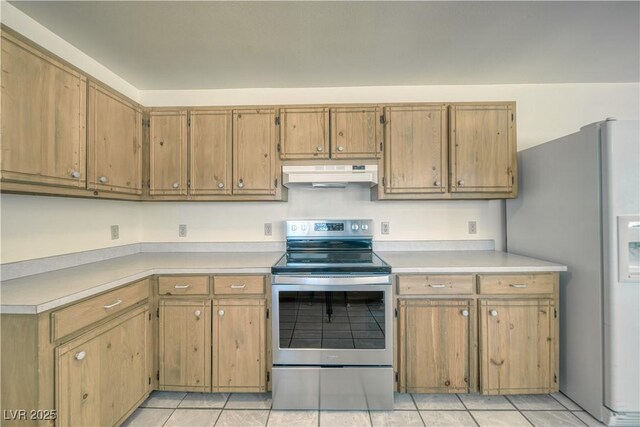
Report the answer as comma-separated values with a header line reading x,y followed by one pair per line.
x,y
218,45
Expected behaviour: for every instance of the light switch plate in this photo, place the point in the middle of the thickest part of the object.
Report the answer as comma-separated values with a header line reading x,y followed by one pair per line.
x,y
182,230
115,232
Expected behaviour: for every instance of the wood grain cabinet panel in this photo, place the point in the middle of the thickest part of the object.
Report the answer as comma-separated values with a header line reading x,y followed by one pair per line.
x,y
304,133
541,283
435,355
482,148
415,153
240,345
210,145
43,118
356,132
114,142
183,285
185,345
436,284
255,170
238,285
168,153
103,375
517,346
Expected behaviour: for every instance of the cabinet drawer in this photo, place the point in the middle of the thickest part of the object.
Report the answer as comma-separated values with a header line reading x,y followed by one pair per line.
x,y
183,285
516,283
83,314
435,284
238,285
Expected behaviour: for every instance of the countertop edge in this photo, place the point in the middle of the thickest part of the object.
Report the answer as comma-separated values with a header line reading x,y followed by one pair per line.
x,y
473,270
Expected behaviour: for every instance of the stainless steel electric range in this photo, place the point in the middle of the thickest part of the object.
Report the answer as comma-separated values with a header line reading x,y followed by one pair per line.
x,y
332,319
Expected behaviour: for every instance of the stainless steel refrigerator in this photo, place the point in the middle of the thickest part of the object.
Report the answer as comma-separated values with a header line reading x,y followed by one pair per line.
x,y
579,205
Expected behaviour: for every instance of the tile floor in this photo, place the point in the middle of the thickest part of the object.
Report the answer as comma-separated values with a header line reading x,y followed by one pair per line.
x,y
254,409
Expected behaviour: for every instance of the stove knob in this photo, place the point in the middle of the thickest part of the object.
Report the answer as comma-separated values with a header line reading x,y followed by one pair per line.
x,y
364,227
354,227
294,227
303,227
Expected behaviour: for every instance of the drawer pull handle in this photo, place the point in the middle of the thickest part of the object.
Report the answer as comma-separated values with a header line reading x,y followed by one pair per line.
x,y
181,286
238,286
518,285
108,306
465,312
80,355
437,286
494,313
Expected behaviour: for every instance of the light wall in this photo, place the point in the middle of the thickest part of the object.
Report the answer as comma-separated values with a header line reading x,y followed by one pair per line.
x,y
33,227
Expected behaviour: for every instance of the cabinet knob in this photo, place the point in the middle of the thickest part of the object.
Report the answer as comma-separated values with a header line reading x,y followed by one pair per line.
x,y
240,184
175,185
461,183
437,183
80,355
465,312
493,312
220,312
319,148
75,174
102,179
220,185
341,148
197,313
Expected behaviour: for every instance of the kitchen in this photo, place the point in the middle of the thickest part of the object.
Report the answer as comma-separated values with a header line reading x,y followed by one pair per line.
x,y
286,238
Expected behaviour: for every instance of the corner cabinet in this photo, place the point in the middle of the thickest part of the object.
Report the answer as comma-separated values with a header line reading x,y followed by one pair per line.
x,y
103,375
114,142
482,148
256,169
168,153
43,118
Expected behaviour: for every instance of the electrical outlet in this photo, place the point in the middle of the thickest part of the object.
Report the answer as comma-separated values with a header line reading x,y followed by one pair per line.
x,y
182,230
268,229
473,227
115,232
385,227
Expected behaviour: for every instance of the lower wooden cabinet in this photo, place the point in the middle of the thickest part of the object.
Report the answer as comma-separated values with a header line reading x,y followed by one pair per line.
x,y
185,345
517,346
239,333
103,375
436,350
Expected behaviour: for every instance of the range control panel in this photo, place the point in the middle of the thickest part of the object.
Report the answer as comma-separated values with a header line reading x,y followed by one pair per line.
x,y
335,228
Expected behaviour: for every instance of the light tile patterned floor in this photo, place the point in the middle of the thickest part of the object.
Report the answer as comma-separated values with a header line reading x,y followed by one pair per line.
x,y
254,409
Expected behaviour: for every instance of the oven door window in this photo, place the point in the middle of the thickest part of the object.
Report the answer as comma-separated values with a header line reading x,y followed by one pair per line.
x,y
332,320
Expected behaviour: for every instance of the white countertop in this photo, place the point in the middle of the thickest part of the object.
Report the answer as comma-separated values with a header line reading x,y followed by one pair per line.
x,y
465,262
46,291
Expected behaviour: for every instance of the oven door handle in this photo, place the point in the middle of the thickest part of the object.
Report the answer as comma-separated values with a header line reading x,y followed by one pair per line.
x,y
331,280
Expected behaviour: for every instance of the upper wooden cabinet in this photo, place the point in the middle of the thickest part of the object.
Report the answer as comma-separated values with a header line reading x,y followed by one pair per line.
x,y
304,133
415,150
43,118
210,150
114,142
255,169
356,132
483,148
168,153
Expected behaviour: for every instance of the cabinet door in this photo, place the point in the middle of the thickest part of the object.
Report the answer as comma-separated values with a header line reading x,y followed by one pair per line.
x,y
304,133
43,118
102,375
517,346
254,147
355,132
415,149
185,345
114,142
435,338
483,150
240,347
210,152
168,152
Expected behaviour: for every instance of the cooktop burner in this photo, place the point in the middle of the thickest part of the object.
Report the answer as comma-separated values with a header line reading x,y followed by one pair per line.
x,y
335,262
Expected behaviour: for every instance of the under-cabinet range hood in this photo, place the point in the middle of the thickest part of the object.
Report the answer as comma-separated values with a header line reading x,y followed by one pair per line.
x,y
329,176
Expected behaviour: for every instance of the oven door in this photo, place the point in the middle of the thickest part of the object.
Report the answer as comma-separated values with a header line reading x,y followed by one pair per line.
x,y
332,321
